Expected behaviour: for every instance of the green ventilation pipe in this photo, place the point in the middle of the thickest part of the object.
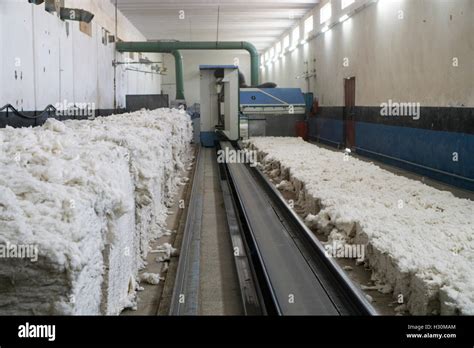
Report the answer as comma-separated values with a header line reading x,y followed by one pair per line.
x,y
178,63
173,46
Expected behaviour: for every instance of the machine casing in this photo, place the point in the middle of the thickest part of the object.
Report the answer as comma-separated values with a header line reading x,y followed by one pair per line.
x,y
272,111
211,86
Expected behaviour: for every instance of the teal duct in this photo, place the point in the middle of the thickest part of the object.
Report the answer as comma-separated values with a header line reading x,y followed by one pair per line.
x,y
174,47
178,63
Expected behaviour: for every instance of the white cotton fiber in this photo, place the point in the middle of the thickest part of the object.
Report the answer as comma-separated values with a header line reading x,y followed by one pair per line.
x,y
90,195
150,278
419,240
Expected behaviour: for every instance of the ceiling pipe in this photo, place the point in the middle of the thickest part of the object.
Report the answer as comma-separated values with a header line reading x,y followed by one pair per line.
x,y
173,46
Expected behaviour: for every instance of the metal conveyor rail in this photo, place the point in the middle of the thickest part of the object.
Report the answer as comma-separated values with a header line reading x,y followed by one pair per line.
x,y
299,278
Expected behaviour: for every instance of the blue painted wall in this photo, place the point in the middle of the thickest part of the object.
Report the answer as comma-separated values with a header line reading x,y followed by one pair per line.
x,y
421,147
327,130
423,151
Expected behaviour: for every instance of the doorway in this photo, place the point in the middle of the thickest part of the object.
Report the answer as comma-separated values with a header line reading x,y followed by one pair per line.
x,y
349,112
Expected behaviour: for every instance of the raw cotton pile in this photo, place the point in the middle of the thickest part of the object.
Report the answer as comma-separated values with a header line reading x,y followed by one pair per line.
x,y
419,240
85,198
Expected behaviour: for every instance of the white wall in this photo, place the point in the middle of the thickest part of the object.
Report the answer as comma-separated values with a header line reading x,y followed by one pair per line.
x,y
191,62
57,64
405,59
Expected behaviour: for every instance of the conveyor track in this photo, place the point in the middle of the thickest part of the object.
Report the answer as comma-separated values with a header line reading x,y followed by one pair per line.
x,y
281,266
295,271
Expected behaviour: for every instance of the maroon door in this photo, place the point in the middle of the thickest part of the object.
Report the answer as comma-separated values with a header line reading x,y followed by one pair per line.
x,y
349,112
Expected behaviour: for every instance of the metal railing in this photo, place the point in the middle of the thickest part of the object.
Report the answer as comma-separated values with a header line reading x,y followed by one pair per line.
x,y
10,108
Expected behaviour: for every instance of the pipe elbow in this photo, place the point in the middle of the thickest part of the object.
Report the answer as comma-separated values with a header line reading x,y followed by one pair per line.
x,y
250,48
177,54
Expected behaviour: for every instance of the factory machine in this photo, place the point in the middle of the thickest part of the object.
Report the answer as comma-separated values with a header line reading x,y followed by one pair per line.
x,y
272,111
230,112
219,103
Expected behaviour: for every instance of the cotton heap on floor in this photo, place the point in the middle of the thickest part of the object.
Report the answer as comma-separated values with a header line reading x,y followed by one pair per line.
x,y
89,195
419,240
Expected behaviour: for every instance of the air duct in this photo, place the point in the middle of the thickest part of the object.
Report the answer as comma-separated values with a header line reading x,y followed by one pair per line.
x,y
178,63
174,46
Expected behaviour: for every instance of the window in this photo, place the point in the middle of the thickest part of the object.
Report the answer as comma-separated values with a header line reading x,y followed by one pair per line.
x,y
345,3
266,56
272,52
286,42
308,25
325,13
295,36
278,47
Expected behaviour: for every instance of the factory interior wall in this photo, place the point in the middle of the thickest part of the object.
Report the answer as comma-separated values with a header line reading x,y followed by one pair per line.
x,y
404,51
49,61
191,62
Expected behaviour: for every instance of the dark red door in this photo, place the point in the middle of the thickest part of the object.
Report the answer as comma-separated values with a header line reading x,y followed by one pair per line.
x,y
349,112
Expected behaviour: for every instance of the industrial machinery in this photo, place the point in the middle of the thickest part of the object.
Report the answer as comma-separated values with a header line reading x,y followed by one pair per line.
x,y
272,111
232,113
219,103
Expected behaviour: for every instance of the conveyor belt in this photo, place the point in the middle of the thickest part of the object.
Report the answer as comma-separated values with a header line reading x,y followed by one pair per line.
x,y
300,279
250,292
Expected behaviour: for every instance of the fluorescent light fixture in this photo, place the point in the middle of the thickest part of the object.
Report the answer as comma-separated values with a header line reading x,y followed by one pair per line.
x,y
343,18
278,47
302,42
324,29
292,48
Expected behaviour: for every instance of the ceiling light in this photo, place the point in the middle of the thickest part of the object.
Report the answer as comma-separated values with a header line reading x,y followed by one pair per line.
x,y
324,29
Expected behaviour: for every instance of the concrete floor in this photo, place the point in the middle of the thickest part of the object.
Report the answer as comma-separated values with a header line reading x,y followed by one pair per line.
x,y
151,298
219,291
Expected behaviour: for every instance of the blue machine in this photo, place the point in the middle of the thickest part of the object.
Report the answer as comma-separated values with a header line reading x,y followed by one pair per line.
x,y
238,113
271,99
272,111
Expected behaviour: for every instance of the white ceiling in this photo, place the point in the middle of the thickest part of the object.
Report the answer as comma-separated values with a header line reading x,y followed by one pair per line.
x,y
259,21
